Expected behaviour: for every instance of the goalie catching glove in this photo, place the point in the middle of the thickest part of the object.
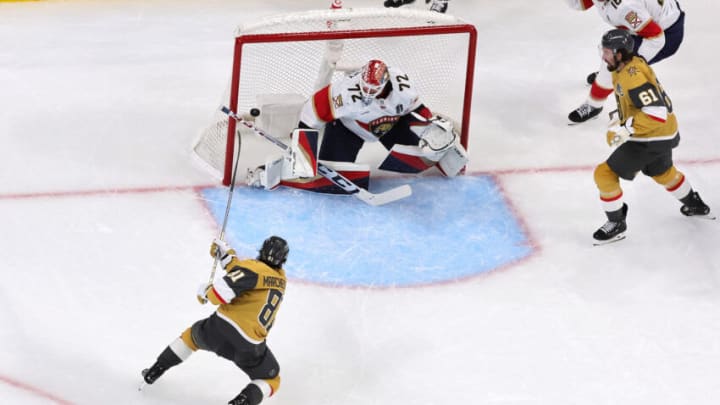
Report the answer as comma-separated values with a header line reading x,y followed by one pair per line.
x,y
437,136
437,146
618,134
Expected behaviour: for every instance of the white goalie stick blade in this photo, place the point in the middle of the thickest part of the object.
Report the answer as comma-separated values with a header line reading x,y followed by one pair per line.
x,y
373,199
336,178
385,197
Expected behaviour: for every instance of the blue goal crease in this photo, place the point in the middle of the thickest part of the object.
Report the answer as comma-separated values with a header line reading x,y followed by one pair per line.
x,y
449,229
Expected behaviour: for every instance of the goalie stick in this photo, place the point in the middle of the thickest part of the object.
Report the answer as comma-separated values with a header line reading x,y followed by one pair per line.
x,y
329,173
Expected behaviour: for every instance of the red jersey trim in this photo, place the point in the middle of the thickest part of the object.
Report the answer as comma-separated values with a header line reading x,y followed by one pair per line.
x,y
658,119
215,293
650,30
323,104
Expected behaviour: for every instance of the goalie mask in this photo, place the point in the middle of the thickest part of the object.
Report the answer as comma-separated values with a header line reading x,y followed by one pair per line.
x,y
374,77
274,251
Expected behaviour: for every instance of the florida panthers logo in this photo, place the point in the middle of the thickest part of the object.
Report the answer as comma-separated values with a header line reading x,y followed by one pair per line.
x,y
382,125
633,19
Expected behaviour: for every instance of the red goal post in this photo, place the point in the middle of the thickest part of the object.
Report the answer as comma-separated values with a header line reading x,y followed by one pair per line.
x,y
280,61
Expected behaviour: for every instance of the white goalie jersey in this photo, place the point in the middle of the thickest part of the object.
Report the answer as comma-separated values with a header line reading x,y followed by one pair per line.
x,y
342,101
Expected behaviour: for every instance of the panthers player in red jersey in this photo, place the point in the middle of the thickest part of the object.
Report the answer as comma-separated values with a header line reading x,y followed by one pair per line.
x,y
657,27
375,103
645,134
249,296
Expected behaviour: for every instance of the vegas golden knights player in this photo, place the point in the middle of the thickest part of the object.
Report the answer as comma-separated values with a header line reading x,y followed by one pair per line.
x,y
249,296
646,132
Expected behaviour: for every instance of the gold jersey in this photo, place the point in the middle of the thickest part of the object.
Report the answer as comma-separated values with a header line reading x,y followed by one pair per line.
x,y
249,296
640,95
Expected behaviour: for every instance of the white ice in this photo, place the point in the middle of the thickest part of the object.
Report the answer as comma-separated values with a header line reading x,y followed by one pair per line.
x,y
104,238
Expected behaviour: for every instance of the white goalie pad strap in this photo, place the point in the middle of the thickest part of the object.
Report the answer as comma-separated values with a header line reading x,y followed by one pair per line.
x,y
453,161
180,349
303,153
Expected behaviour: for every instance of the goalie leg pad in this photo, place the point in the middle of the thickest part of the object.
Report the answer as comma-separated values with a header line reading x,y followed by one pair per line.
x,y
357,173
453,161
300,162
269,175
304,152
413,159
408,159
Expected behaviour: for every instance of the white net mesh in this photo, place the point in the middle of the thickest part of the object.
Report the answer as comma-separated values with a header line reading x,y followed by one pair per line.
x,y
294,50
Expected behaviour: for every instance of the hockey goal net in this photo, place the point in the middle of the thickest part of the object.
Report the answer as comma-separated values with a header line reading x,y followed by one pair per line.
x,y
280,61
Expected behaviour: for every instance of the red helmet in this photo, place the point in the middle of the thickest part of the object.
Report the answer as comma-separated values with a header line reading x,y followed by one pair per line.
x,y
373,78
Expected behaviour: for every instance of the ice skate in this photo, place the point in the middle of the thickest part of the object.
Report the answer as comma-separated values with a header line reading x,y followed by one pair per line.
x,y
241,399
614,229
150,375
583,113
693,206
250,395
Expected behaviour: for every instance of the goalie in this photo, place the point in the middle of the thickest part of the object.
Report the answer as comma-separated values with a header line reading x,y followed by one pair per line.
x,y
374,103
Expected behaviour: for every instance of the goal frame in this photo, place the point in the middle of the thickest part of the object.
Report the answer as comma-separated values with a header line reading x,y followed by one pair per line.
x,y
245,39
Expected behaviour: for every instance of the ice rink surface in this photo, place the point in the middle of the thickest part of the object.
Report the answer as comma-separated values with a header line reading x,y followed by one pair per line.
x,y
106,225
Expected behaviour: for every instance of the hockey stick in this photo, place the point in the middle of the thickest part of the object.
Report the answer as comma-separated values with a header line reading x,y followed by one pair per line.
x,y
227,213
336,178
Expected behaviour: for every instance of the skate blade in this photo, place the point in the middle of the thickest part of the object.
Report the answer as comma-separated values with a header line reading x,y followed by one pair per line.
x,y
709,216
142,385
617,238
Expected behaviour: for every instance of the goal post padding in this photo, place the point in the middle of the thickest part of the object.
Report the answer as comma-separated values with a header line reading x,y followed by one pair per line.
x,y
277,62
